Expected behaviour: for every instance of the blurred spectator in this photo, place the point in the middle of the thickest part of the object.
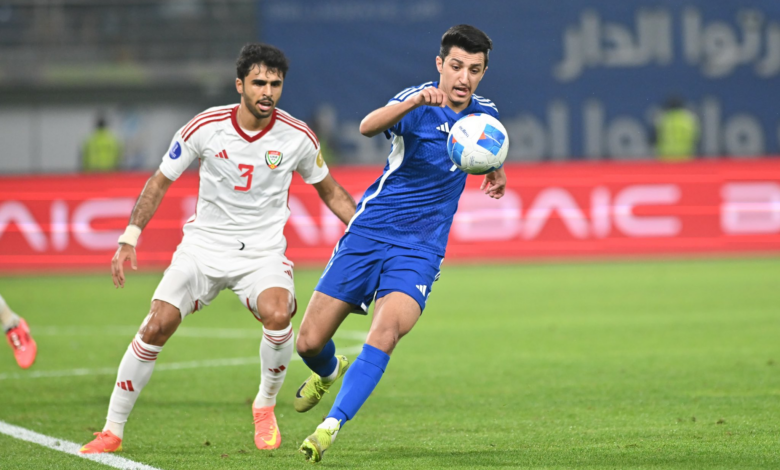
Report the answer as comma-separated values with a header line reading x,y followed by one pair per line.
x,y
676,132
102,151
323,124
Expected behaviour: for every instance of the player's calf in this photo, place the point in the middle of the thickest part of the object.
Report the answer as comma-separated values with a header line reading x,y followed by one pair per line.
x,y
134,373
275,354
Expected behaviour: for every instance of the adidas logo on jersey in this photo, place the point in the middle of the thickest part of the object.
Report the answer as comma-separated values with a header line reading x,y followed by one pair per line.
x,y
222,154
444,128
422,289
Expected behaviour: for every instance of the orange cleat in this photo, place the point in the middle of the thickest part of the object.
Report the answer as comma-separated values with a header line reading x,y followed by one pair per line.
x,y
105,442
267,434
22,343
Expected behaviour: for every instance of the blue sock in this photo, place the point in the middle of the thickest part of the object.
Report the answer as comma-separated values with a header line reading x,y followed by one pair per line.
x,y
359,381
324,363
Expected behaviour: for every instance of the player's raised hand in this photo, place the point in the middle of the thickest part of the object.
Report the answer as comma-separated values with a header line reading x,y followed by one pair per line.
x,y
123,253
494,184
431,96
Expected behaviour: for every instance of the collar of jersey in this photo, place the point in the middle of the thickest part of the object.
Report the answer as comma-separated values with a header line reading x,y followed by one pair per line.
x,y
244,135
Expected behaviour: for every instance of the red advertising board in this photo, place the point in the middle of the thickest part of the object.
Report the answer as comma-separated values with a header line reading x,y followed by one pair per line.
x,y
565,210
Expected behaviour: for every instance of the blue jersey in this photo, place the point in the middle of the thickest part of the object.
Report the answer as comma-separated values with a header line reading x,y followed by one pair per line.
x,y
414,201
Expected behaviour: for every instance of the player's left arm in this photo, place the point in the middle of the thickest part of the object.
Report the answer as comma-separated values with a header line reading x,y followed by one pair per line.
x,y
338,200
494,184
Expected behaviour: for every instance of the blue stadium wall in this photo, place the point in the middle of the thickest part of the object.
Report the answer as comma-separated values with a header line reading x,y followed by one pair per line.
x,y
572,79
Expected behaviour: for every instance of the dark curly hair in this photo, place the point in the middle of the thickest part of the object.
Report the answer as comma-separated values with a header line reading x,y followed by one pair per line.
x,y
257,53
468,38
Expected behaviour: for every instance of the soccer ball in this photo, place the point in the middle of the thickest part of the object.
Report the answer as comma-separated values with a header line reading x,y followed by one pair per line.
x,y
478,144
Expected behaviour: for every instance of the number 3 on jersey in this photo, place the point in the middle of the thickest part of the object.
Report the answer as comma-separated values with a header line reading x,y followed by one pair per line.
x,y
247,173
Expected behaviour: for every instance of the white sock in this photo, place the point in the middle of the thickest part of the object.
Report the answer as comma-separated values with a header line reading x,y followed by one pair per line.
x,y
330,423
275,353
135,370
117,428
8,319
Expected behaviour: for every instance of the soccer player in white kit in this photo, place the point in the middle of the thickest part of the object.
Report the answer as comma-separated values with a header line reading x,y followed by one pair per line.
x,y
247,154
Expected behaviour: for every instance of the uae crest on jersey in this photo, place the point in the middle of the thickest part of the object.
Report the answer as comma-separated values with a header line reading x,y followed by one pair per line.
x,y
273,158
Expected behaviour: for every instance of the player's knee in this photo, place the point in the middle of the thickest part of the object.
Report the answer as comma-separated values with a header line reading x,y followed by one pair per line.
x,y
275,319
385,339
306,347
161,323
156,333
151,333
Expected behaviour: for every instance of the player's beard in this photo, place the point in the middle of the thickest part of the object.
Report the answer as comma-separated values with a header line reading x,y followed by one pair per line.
x,y
253,108
457,100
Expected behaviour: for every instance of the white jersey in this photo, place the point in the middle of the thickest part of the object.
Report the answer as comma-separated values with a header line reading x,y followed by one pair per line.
x,y
244,180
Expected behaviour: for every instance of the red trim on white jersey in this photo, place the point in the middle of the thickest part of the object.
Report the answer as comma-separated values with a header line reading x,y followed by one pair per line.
x,y
244,135
295,120
205,121
204,115
299,125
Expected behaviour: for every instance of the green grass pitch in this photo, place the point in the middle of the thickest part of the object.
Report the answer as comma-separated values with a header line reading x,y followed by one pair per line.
x,y
664,364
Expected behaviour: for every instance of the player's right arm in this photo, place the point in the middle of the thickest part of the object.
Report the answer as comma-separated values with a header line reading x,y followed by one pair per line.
x,y
184,150
384,118
144,209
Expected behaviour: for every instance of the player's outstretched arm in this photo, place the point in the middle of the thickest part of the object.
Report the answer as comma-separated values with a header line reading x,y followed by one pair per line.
x,y
144,209
338,200
384,118
494,184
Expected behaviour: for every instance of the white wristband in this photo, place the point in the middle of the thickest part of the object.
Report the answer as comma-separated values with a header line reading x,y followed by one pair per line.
x,y
130,237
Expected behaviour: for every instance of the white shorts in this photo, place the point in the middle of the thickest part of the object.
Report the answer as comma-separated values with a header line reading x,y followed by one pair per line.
x,y
196,275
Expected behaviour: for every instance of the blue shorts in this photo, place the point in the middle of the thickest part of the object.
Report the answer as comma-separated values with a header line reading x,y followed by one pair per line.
x,y
362,269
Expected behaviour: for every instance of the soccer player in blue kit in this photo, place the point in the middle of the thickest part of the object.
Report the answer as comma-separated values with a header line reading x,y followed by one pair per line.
x,y
394,245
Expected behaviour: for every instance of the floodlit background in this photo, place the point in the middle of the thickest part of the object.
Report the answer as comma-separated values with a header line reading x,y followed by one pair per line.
x,y
573,80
